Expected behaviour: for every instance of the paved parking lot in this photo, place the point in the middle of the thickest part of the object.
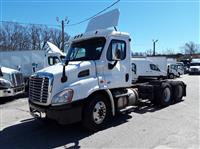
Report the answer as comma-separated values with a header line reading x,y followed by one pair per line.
x,y
176,126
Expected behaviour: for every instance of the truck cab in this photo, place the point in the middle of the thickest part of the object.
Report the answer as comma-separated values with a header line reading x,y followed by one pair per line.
x,y
11,82
53,55
194,67
172,71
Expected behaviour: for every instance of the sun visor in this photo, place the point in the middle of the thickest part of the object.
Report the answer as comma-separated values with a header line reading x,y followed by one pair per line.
x,y
104,21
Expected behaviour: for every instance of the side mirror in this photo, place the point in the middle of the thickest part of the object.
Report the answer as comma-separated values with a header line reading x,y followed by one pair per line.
x,y
116,54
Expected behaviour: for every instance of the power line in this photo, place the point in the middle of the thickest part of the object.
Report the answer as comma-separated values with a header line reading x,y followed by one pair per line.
x,y
30,23
73,24
87,19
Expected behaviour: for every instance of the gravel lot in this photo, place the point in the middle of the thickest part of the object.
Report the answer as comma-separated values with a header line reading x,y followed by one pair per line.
x,y
176,126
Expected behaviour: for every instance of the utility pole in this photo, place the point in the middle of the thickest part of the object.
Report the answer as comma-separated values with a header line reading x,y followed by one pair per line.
x,y
154,46
63,31
63,35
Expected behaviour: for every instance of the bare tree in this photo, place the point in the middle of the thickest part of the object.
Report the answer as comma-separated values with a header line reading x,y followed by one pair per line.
x,y
14,36
56,37
190,48
149,52
168,52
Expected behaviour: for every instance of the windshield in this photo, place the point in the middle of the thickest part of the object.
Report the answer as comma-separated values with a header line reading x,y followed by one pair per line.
x,y
6,76
90,49
180,67
194,64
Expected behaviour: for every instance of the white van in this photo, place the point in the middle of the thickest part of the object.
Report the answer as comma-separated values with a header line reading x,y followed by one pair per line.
x,y
146,69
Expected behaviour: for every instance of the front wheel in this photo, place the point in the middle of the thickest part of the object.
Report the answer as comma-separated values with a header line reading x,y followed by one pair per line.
x,y
171,76
96,113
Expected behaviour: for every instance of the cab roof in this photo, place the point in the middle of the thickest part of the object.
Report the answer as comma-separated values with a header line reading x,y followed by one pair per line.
x,y
98,33
8,70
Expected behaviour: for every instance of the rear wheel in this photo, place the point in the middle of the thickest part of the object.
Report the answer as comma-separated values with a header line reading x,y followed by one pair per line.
x,y
96,113
178,91
164,95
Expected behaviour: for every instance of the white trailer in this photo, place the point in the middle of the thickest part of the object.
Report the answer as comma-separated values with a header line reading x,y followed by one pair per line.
x,y
146,69
165,64
30,61
95,83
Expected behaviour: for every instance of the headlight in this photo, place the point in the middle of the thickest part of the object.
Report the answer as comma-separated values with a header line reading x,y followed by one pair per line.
x,y
63,97
5,84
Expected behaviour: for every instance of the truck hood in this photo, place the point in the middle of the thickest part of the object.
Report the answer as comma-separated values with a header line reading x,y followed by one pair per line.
x,y
74,71
197,67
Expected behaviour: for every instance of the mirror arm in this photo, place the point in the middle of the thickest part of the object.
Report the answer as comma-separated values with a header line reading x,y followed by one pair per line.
x,y
64,77
111,66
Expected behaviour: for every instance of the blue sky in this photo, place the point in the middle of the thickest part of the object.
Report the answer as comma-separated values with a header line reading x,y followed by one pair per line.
x,y
172,22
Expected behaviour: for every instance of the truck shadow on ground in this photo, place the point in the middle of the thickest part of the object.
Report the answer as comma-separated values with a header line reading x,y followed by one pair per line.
x,y
32,133
145,107
4,100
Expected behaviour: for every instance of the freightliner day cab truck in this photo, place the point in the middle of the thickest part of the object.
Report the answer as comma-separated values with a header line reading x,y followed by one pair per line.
x,y
95,82
11,82
28,62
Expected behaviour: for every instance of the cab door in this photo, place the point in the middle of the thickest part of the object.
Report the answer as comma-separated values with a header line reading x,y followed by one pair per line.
x,y
117,69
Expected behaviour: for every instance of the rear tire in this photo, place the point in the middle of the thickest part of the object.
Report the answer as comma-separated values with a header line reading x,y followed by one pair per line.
x,y
96,112
164,95
178,89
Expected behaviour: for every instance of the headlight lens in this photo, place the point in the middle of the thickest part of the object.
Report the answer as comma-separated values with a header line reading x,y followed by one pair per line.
x,y
63,97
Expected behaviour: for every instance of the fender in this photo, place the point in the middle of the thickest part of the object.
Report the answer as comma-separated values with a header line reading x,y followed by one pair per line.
x,y
109,95
111,101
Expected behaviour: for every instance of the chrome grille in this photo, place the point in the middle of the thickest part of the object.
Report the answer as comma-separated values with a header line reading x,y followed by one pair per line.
x,y
194,69
38,89
17,79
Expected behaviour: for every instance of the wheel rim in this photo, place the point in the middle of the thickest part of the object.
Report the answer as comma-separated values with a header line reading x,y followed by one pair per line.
x,y
180,91
99,112
166,94
171,76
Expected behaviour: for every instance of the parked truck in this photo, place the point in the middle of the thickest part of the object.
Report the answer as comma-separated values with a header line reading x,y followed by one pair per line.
x,y
11,82
146,69
168,65
30,61
95,81
194,67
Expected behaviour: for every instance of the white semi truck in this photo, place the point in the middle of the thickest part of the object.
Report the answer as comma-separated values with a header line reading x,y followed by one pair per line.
x,y
11,82
95,81
30,61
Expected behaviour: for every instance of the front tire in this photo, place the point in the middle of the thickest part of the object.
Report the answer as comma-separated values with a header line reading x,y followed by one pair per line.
x,y
171,76
96,112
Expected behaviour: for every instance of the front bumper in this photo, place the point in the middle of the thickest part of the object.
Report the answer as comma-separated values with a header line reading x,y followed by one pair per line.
x,y
65,114
194,72
12,91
